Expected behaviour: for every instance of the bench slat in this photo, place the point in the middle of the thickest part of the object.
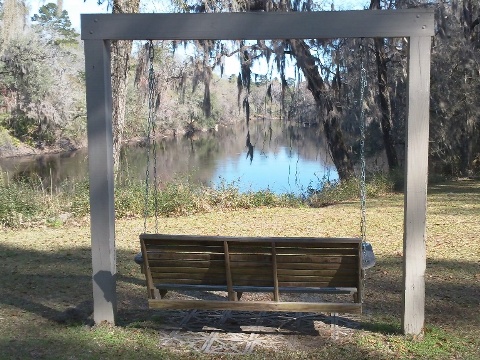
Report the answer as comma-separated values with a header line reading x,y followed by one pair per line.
x,y
177,256
328,273
318,283
325,263
259,289
190,249
190,281
231,239
307,258
191,267
164,265
254,251
159,273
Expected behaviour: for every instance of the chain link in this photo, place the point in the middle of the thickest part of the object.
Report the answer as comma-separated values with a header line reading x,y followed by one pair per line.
x,y
151,140
363,195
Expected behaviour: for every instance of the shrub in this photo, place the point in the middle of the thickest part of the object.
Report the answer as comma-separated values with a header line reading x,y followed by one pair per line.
x,y
333,192
80,203
18,204
176,198
129,200
24,203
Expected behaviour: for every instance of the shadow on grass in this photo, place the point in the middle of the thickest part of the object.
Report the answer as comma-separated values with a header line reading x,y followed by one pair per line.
x,y
452,292
81,343
39,288
456,187
56,286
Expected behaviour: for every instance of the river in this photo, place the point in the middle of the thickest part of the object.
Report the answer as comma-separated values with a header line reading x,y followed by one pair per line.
x,y
283,157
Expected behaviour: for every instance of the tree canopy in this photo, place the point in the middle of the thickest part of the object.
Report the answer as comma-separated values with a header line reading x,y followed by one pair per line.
x,y
42,89
52,20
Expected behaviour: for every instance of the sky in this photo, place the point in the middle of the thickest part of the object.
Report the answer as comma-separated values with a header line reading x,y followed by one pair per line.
x,y
73,7
76,7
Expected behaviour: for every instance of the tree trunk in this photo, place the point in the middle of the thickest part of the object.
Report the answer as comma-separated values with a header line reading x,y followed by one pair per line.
x,y
329,113
120,50
331,122
469,139
385,104
384,95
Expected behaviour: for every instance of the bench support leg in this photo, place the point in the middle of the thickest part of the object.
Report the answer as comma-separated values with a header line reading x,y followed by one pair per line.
x,y
156,293
333,325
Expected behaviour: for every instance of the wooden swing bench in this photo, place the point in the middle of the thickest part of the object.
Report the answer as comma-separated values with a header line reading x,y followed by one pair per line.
x,y
236,265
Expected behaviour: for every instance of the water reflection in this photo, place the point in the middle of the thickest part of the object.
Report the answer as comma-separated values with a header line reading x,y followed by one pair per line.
x,y
47,172
280,156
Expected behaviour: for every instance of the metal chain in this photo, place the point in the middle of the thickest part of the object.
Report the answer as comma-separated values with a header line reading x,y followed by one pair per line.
x,y
152,107
363,195
151,140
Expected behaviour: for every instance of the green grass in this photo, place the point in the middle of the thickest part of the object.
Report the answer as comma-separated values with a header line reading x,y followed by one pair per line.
x,y
45,270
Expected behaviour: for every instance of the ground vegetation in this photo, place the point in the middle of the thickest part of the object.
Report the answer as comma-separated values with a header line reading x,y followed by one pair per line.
x,y
46,283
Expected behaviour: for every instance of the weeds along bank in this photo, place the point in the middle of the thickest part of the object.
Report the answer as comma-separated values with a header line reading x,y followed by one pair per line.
x,y
25,205
28,204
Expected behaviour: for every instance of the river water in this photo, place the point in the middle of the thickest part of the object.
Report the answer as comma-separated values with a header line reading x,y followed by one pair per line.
x,y
283,157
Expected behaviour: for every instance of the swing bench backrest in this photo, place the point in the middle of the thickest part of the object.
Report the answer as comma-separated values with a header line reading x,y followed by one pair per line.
x,y
237,265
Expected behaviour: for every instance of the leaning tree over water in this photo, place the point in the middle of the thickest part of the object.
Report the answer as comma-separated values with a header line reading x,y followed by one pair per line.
x,y
330,69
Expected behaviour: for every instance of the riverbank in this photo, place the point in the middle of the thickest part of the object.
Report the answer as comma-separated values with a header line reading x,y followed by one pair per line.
x,y
12,147
35,204
46,284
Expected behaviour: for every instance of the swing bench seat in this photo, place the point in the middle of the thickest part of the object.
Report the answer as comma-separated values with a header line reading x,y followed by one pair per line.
x,y
275,265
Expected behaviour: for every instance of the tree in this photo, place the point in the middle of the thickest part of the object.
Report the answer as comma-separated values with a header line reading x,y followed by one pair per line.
x,y
326,106
386,122
13,21
121,51
39,86
455,134
321,89
52,20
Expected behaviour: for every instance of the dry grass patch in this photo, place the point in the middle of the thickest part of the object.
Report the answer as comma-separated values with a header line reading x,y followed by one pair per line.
x,y
45,271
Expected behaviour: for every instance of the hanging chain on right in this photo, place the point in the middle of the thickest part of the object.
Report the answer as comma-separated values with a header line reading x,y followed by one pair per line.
x,y
363,195
368,257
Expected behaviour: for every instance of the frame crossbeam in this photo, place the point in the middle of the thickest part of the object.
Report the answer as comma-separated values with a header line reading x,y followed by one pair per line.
x,y
98,29
253,26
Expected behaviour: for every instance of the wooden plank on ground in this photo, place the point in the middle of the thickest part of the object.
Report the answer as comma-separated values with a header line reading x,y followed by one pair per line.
x,y
255,306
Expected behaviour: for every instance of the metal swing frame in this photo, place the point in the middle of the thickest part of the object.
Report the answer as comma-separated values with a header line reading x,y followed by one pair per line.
x,y
98,29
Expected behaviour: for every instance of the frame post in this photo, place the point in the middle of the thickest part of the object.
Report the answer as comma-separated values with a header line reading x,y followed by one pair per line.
x,y
99,29
415,197
100,161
